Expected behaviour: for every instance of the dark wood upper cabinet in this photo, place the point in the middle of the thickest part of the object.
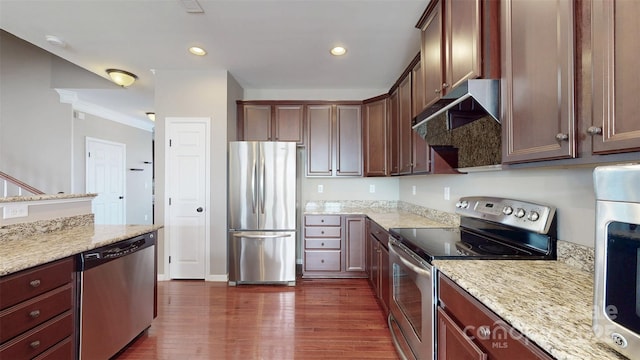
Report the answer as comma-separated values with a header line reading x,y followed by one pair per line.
x,y
376,138
405,132
419,147
460,41
271,121
538,121
393,115
615,126
334,146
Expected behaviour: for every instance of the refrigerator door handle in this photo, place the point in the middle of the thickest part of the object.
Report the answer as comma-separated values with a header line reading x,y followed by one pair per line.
x,y
253,186
262,183
271,236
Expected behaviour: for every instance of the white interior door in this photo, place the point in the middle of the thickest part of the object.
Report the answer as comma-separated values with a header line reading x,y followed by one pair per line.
x,y
105,176
187,183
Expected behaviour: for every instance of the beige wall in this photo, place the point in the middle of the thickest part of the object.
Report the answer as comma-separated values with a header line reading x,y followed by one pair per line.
x,y
570,190
184,93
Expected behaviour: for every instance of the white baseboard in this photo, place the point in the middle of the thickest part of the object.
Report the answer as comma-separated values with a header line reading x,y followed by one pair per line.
x,y
163,277
217,278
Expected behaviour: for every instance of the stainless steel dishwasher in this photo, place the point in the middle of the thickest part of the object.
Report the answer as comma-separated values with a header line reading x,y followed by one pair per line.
x,y
116,296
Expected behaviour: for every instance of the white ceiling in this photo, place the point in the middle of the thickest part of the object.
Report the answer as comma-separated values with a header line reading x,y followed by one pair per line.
x,y
264,44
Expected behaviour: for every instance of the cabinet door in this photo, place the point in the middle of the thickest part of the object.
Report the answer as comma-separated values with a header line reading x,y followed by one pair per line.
x,y
417,90
394,132
376,138
404,126
453,343
354,243
431,57
288,123
615,86
385,279
319,147
462,44
538,93
348,140
256,124
420,155
374,270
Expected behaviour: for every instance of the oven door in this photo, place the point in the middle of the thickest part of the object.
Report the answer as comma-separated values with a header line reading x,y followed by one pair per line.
x,y
617,282
412,302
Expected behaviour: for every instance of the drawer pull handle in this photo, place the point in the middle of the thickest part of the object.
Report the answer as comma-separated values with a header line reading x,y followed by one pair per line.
x,y
322,244
322,261
34,344
322,232
322,220
34,314
34,283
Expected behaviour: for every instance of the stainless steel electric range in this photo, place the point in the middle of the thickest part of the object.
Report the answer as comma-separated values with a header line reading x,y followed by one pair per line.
x,y
491,228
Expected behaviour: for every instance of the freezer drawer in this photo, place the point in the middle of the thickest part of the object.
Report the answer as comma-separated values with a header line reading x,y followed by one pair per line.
x,y
262,257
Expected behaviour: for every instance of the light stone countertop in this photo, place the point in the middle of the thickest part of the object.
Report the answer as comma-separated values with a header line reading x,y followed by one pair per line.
x,y
43,197
16,255
548,301
386,217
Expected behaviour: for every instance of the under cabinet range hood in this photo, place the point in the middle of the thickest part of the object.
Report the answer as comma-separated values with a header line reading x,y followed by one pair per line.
x,y
469,101
463,127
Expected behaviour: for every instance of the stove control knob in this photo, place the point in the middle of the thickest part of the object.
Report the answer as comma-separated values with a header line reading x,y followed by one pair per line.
x,y
462,204
533,216
508,210
520,213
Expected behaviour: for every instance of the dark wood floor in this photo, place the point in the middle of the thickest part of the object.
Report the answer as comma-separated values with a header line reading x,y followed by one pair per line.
x,y
316,319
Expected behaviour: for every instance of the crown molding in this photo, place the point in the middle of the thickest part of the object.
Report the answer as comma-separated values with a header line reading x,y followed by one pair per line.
x,y
71,97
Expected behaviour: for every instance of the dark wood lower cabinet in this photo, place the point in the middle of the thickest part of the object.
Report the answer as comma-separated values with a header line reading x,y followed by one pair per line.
x,y
469,330
378,263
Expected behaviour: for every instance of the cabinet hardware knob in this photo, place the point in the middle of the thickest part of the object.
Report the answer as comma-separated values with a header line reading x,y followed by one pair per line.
x,y
199,209
484,332
322,244
322,220
322,261
35,283
562,137
322,232
437,91
34,344
445,85
34,314
594,130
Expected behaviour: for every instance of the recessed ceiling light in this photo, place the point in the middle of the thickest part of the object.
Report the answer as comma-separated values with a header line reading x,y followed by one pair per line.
x,y
56,41
151,116
338,51
195,50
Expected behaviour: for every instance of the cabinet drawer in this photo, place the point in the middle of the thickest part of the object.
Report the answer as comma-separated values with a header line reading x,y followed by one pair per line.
x,y
322,260
492,334
26,315
29,283
322,244
322,231
39,339
62,350
322,220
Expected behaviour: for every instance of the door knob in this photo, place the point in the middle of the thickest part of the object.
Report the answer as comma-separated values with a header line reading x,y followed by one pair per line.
x,y
199,209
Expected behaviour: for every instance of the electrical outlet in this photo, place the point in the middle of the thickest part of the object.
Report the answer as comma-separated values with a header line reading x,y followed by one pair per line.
x,y
320,188
447,193
15,211
372,188
413,190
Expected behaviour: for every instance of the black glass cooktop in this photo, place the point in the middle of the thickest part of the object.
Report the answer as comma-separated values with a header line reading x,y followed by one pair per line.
x,y
460,243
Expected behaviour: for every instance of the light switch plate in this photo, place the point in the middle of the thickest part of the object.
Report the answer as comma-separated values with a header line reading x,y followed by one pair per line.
x,y
320,188
15,211
372,188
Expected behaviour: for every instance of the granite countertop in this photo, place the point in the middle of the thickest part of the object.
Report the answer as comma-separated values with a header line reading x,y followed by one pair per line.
x,y
386,217
16,255
548,301
42,197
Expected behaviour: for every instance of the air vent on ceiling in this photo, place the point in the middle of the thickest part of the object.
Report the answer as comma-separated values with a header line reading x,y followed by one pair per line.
x,y
192,6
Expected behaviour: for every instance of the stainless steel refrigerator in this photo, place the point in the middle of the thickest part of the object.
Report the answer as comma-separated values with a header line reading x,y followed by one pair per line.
x,y
262,212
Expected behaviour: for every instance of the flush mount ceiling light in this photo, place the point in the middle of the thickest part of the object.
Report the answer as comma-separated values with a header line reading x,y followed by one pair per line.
x,y
195,50
121,77
338,51
151,116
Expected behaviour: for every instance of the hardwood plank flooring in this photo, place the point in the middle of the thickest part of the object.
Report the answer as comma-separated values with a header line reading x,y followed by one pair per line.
x,y
316,319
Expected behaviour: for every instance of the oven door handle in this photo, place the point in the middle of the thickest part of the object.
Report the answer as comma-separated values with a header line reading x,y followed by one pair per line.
x,y
415,268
